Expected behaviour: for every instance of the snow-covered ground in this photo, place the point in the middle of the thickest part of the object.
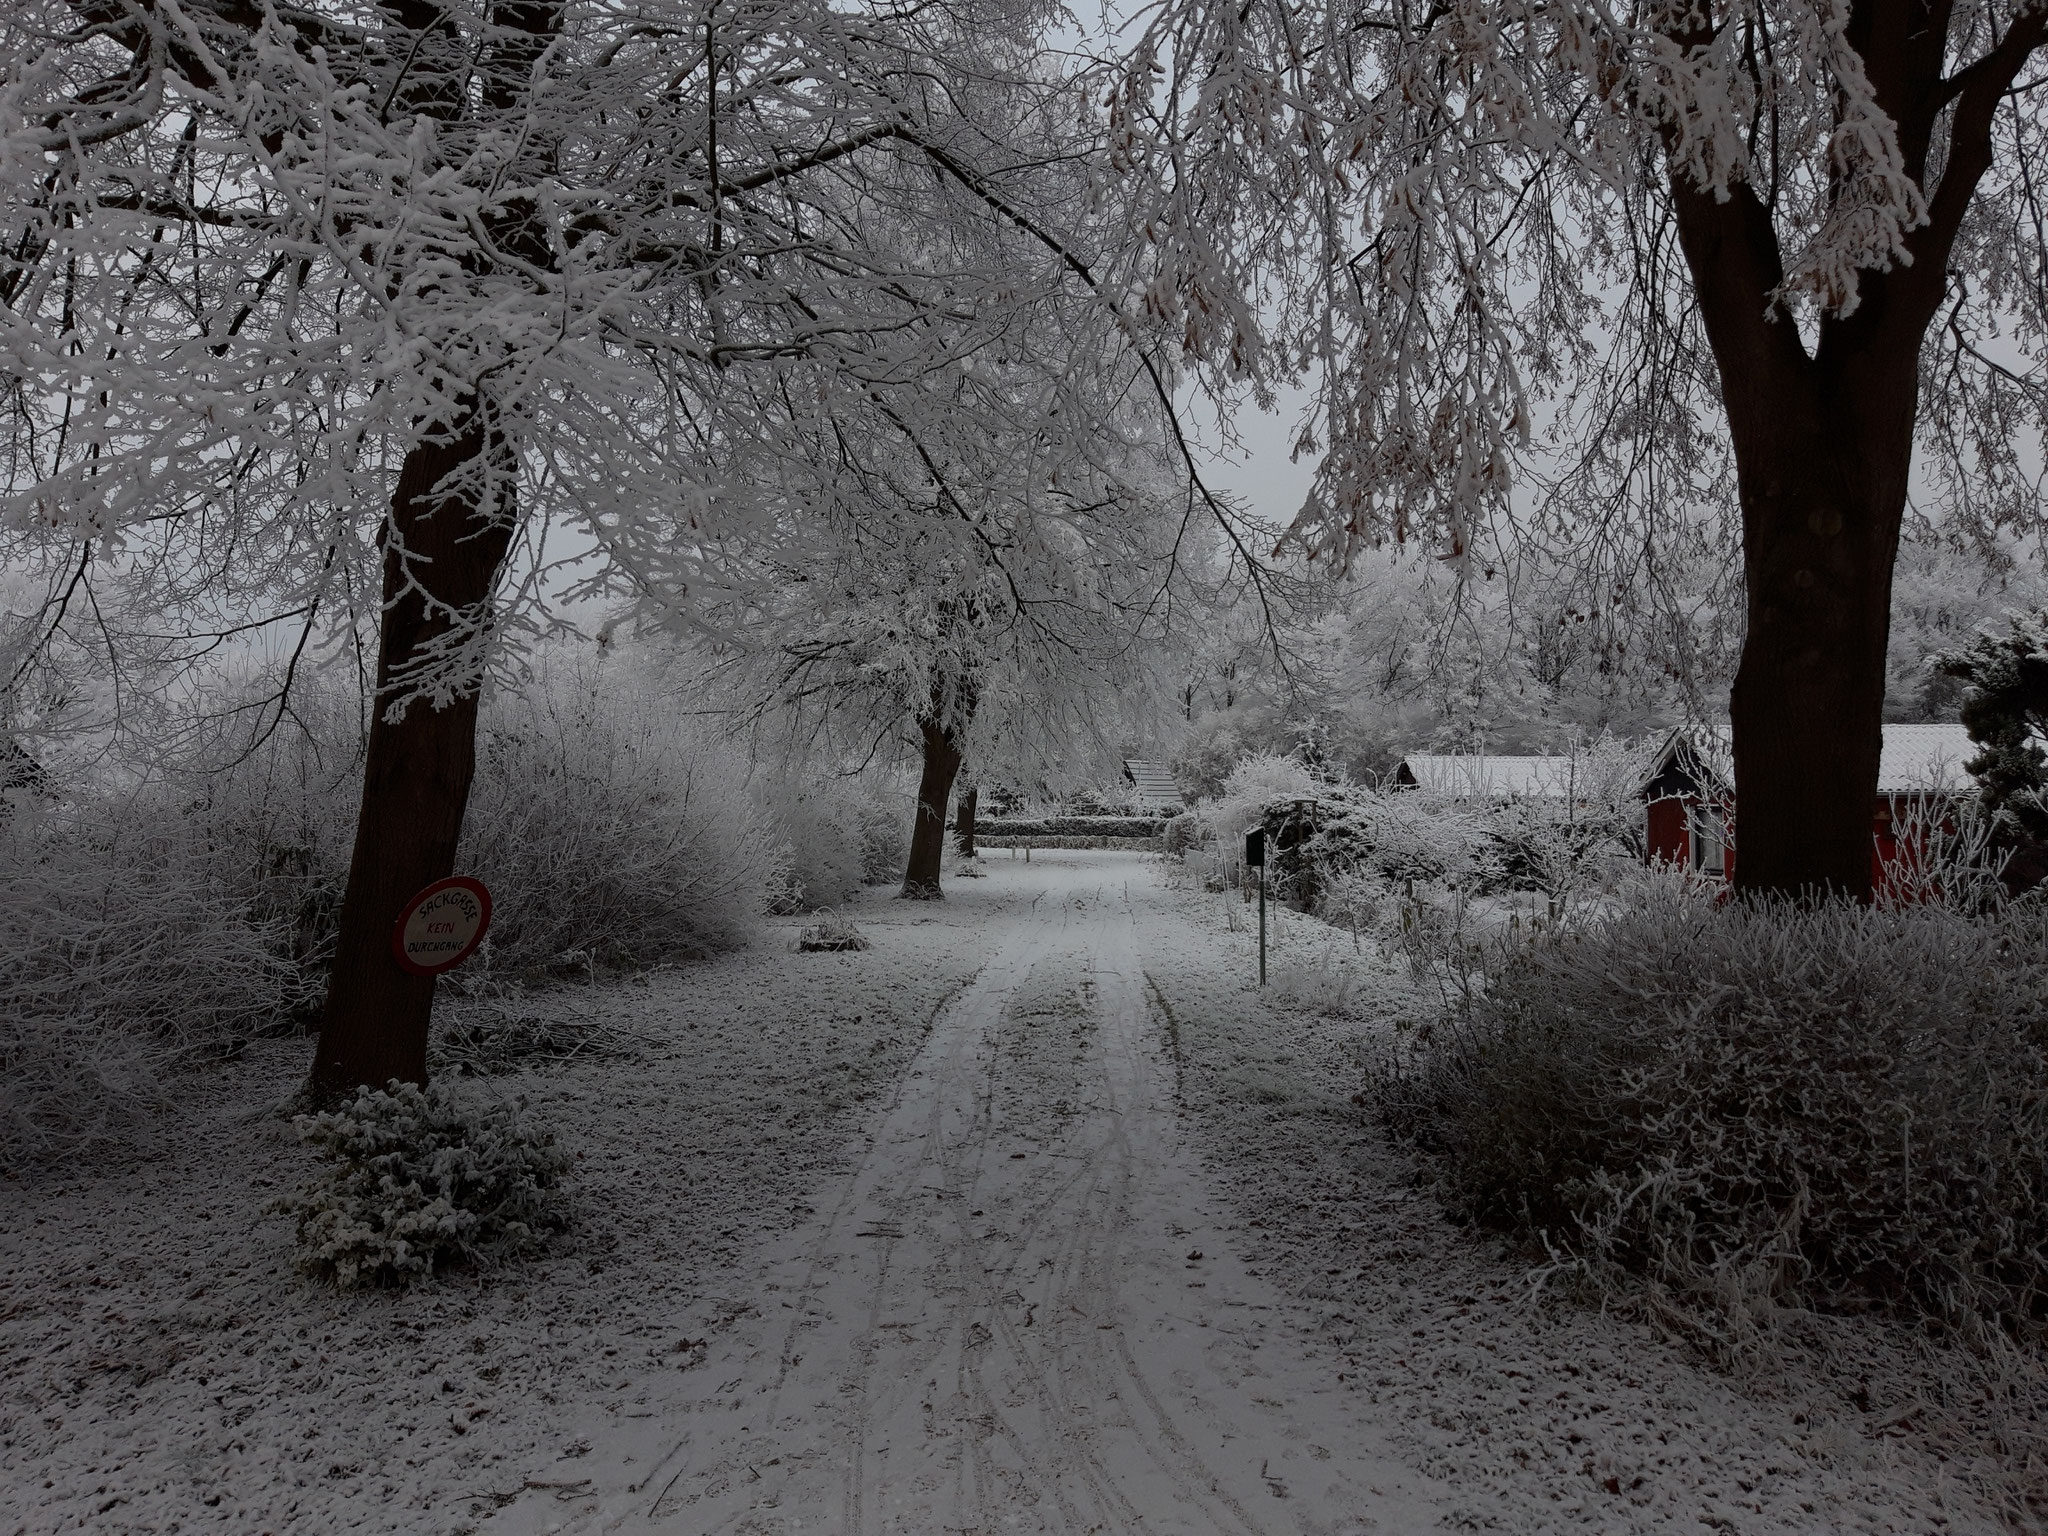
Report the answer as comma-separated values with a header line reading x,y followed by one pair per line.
x,y
1033,1217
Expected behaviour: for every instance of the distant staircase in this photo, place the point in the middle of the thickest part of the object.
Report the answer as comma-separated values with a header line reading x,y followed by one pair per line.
x,y
1152,787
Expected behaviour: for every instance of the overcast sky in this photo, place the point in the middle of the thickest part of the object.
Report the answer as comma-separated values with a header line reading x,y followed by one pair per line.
x,y
1262,472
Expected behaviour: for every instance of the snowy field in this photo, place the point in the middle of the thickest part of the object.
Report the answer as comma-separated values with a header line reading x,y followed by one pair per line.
x,y
1033,1217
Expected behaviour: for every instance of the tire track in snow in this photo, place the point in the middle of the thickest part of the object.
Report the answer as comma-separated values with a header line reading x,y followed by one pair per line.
x,y
1013,1316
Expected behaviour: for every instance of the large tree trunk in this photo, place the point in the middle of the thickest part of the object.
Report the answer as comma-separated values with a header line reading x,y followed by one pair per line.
x,y
1823,442
928,830
451,517
451,524
1823,495
1823,445
963,821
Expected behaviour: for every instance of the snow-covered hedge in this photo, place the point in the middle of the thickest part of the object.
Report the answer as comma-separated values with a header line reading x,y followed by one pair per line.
x,y
416,1180
1479,848
1753,1107
1068,826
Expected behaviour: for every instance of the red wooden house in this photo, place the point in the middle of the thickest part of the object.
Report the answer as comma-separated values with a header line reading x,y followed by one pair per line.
x,y
1689,796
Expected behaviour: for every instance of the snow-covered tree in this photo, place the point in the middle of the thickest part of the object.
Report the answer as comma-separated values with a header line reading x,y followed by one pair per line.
x,y
319,318
2004,669
1592,274
1944,590
1001,600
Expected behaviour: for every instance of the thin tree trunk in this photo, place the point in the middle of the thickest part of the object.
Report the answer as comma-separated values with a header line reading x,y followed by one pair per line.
x,y
963,821
451,515
928,830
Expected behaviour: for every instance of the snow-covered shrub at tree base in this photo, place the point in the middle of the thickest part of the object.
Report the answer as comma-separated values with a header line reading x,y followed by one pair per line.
x,y
1756,1106
419,1179
611,828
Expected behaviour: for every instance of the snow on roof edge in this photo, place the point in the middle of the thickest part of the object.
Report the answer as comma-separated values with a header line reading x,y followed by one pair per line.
x,y
1913,758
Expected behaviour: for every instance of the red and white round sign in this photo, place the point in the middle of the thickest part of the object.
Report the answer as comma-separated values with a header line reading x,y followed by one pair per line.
x,y
441,927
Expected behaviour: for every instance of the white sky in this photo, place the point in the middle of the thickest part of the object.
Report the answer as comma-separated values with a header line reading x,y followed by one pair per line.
x,y
1262,472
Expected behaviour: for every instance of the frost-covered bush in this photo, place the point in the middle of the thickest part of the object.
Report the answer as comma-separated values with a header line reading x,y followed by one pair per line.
x,y
832,934
1393,838
611,829
1473,846
1948,851
68,1084
837,835
1181,836
885,834
417,1180
1211,834
822,860
1756,1106
136,933
1342,849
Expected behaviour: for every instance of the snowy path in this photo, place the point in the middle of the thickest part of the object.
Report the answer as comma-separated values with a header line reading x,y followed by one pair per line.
x,y
1015,1315
1034,1217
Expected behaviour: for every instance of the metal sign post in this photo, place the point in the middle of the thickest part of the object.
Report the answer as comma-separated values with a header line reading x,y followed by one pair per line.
x,y
1255,858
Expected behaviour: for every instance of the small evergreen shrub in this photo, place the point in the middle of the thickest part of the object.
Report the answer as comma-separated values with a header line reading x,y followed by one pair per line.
x,y
831,934
420,1179
1756,1107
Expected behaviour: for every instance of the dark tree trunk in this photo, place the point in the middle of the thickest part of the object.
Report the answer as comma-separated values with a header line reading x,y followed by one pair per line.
x,y
451,515
1823,444
1822,502
963,821
451,524
928,830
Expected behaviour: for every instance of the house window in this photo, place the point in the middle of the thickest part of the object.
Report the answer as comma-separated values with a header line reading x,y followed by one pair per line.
x,y
1708,846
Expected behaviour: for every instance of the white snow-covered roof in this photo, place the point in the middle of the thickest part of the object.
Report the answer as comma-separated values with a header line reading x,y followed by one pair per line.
x,y
1924,757
1481,776
1152,786
1914,758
